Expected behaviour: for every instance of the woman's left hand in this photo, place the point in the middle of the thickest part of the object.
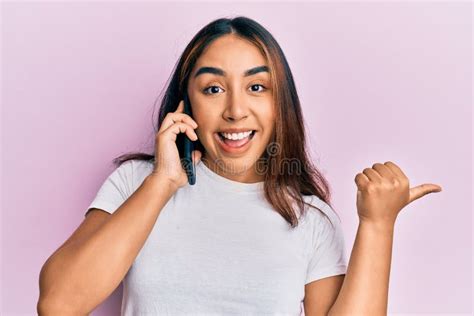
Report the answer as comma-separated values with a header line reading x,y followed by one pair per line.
x,y
383,190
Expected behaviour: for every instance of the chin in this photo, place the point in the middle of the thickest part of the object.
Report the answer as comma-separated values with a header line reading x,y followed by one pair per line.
x,y
234,165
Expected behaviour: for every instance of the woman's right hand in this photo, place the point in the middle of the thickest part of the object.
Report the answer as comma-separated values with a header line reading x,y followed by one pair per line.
x,y
167,161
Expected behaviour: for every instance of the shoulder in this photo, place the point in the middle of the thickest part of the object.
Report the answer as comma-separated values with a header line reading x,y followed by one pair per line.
x,y
325,224
321,214
133,172
135,166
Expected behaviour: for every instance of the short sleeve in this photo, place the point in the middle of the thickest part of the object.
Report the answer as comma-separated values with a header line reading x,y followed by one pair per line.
x,y
328,254
115,189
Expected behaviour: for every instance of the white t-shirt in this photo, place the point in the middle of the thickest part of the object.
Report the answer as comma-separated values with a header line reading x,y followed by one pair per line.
x,y
219,248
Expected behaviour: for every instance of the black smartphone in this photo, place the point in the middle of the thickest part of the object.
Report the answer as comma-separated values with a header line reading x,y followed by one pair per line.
x,y
186,147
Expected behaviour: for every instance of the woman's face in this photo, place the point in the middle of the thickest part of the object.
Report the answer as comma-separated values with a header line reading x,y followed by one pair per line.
x,y
230,88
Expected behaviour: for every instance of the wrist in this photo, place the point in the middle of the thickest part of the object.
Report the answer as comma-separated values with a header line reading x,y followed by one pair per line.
x,y
161,183
382,226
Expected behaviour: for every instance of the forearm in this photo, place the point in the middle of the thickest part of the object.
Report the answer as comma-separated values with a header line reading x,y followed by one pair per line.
x,y
81,275
365,287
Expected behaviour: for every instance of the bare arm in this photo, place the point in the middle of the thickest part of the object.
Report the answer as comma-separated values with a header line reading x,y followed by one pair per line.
x,y
365,287
383,191
82,274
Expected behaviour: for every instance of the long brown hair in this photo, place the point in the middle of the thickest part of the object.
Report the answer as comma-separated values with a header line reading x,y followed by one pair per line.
x,y
281,185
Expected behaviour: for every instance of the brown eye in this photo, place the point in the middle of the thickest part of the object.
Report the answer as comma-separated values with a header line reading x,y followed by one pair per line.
x,y
214,89
256,85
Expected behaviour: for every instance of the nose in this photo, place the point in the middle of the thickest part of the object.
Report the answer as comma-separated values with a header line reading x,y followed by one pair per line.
x,y
236,108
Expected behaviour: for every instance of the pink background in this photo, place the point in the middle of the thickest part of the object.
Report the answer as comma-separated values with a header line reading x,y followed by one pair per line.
x,y
378,81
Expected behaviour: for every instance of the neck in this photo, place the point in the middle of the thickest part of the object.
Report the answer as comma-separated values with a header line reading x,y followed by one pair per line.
x,y
234,172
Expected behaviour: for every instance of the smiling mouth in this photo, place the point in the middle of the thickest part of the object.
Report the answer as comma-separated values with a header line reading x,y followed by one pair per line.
x,y
227,139
235,146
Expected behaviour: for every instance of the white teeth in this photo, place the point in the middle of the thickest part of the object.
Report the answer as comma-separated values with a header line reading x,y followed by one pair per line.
x,y
236,136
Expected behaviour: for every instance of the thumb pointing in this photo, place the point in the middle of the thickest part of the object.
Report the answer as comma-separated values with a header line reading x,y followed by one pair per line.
x,y
423,189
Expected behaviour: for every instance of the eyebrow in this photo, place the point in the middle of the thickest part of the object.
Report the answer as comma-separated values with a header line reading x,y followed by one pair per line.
x,y
220,72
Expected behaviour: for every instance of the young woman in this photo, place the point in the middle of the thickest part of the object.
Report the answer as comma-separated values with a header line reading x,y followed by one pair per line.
x,y
256,234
